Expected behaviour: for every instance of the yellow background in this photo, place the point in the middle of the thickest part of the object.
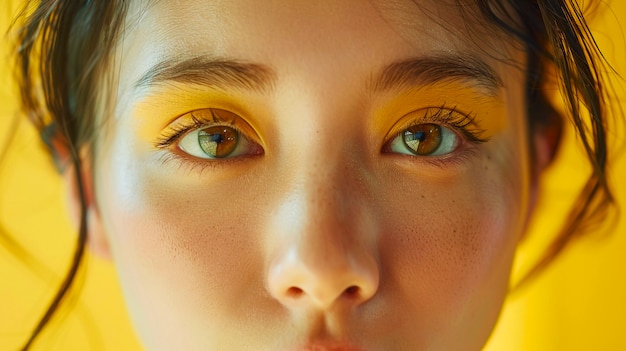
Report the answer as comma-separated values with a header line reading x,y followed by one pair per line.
x,y
578,304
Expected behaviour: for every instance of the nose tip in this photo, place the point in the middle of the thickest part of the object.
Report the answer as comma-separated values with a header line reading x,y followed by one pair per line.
x,y
322,236
323,281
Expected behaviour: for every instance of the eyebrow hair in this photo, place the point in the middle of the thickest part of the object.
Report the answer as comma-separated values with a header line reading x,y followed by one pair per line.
x,y
227,74
434,69
209,71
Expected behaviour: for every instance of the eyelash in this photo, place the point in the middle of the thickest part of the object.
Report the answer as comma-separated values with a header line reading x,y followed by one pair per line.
x,y
173,134
447,117
461,123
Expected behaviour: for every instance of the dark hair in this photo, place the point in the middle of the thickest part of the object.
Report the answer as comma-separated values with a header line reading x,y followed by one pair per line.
x,y
65,45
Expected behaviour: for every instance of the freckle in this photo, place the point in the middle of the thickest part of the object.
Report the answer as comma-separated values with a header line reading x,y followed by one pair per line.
x,y
422,196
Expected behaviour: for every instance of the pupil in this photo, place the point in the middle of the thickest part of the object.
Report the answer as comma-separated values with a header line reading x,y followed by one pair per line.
x,y
419,136
216,138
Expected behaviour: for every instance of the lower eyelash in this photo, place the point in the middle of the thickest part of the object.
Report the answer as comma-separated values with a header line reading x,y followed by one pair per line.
x,y
460,158
191,164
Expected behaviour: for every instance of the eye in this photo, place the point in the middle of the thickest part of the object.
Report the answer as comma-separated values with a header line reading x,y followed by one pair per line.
x,y
426,139
216,142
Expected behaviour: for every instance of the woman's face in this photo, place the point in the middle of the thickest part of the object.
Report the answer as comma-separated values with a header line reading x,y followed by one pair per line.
x,y
313,175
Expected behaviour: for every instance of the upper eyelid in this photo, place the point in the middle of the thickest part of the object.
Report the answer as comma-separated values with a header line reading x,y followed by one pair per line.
x,y
453,115
172,134
443,115
214,116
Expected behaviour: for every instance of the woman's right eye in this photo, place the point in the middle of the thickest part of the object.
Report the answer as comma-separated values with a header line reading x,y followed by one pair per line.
x,y
218,142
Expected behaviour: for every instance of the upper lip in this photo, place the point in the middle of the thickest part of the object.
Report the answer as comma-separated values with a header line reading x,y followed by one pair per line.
x,y
329,346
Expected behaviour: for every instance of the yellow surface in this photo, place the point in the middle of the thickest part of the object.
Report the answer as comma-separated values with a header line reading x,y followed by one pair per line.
x,y
578,304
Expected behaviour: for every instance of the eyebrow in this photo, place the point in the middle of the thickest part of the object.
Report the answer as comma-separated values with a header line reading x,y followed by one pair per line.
x,y
429,70
203,70
228,74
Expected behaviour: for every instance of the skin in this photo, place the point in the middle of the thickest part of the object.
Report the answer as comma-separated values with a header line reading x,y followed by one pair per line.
x,y
322,236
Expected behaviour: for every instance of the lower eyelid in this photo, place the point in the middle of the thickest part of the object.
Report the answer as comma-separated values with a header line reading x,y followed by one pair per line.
x,y
459,158
449,163
185,162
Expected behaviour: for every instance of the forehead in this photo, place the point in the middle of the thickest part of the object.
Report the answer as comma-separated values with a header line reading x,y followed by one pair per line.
x,y
249,28
310,40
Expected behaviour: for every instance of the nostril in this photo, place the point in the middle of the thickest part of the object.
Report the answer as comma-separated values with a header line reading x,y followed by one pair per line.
x,y
294,292
352,291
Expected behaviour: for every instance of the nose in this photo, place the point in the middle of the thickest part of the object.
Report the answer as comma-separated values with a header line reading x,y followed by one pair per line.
x,y
323,250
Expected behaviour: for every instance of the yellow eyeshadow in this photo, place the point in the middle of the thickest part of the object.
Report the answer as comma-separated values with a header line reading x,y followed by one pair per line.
x,y
217,116
488,112
164,107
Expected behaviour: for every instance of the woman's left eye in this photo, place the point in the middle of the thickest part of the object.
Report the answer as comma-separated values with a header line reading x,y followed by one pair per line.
x,y
425,139
217,142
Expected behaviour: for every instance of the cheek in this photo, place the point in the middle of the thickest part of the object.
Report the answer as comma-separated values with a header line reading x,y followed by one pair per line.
x,y
449,244
187,250
182,252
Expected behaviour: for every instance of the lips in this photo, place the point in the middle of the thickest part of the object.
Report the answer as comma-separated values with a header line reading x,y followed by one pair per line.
x,y
329,347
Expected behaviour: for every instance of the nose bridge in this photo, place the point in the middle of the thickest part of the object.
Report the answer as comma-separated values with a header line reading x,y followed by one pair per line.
x,y
329,196
326,185
321,158
322,237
